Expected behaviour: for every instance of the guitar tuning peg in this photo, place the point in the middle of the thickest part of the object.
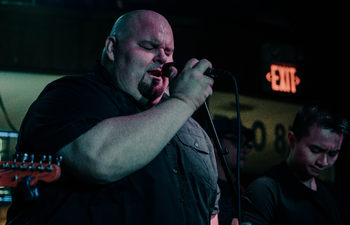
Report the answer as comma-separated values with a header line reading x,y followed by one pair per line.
x,y
31,158
49,158
41,158
23,157
58,160
15,157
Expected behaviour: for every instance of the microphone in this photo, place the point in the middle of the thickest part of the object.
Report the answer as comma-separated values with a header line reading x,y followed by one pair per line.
x,y
210,72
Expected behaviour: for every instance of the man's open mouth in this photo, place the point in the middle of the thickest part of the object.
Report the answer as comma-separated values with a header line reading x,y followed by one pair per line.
x,y
156,73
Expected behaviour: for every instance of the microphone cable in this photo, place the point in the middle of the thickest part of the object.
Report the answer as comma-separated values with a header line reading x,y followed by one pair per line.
x,y
241,216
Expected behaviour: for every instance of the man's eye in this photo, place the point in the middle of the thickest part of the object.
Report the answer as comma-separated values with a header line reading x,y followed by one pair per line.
x,y
315,150
168,53
332,153
146,46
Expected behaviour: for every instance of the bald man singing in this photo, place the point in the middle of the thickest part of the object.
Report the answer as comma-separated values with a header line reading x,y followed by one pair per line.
x,y
131,153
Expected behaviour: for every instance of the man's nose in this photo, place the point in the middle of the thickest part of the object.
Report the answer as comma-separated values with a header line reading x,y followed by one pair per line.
x,y
160,56
322,160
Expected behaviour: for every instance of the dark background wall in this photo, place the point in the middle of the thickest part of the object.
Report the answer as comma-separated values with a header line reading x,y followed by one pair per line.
x,y
71,34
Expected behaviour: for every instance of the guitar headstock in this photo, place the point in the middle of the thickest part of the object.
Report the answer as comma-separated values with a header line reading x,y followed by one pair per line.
x,y
37,168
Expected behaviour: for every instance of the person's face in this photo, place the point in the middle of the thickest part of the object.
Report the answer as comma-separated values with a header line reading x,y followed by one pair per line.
x,y
314,154
140,56
229,142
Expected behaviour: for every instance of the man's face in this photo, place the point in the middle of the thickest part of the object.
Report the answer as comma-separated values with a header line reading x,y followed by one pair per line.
x,y
140,56
314,154
229,141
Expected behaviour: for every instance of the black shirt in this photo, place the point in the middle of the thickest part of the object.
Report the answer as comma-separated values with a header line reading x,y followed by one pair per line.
x,y
279,197
227,204
178,187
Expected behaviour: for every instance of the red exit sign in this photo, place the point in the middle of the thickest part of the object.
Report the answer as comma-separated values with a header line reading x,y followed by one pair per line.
x,y
283,78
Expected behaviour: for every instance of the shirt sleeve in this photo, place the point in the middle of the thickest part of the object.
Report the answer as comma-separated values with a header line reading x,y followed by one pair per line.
x,y
260,200
66,109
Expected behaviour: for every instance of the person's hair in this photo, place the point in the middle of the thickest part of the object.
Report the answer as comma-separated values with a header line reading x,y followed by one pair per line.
x,y
321,114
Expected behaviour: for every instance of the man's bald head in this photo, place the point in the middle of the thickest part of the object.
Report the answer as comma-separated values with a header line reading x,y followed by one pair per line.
x,y
131,22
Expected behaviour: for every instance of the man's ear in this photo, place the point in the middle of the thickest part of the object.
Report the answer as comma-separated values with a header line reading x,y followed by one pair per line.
x,y
111,46
291,139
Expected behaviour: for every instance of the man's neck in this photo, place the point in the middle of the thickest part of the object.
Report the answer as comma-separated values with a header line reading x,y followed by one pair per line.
x,y
310,183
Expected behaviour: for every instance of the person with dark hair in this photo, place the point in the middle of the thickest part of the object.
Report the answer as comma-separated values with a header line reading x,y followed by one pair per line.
x,y
291,192
131,154
227,131
318,113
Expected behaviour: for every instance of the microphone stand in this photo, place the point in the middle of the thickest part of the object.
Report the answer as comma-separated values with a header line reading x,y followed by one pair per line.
x,y
236,194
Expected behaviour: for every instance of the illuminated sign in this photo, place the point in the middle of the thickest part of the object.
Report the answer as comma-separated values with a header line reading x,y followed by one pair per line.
x,y
282,77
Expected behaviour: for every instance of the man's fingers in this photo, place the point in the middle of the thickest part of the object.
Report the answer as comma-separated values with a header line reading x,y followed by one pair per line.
x,y
235,221
173,73
202,65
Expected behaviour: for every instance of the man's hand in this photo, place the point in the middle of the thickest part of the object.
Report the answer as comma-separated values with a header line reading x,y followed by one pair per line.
x,y
214,219
190,85
235,221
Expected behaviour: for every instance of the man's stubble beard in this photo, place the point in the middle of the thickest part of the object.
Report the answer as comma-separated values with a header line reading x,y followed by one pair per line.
x,y
149,91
